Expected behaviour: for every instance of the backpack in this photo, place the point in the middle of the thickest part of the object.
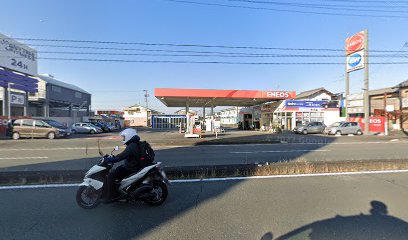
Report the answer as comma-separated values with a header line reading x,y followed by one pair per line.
x,y
146,153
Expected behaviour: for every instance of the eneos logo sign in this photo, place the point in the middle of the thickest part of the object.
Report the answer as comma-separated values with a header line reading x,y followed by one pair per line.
x,y
355,43
277,94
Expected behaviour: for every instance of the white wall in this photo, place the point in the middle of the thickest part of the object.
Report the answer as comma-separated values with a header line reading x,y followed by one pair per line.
x,y
331,117
322,96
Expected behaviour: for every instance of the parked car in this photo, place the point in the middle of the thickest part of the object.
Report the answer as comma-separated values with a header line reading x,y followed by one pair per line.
x,y
340,128
101,125
63,130
312,127
33,128
85,128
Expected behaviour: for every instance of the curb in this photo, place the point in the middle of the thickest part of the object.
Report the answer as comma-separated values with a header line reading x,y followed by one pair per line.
x,y
235,142
200,172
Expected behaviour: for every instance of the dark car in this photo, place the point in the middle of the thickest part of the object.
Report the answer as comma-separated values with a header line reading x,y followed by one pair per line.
x,y
63,130
101,125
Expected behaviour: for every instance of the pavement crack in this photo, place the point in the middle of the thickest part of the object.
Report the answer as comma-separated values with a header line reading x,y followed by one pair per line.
x,y
390,182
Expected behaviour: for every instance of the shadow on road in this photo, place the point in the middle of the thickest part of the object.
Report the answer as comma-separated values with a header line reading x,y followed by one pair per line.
x,y
376,225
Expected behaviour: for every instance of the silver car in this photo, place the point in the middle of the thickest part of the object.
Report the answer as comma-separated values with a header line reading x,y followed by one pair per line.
x,y
312,127
85,128
340,128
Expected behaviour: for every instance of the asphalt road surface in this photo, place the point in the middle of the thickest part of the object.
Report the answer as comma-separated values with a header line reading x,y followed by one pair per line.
x,y
68,156
370,206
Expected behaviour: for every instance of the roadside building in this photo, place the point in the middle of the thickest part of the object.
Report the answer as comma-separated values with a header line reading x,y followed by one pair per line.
x,y
229,117
403,97
138,116
316,105
391,103
56,98
183,112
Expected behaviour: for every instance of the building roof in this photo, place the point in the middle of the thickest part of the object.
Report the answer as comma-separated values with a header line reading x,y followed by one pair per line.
x,y
51,80
402,84
138,106
312,92
382,91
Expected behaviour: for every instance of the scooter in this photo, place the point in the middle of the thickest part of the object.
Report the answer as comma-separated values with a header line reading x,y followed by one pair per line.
x,y
148,185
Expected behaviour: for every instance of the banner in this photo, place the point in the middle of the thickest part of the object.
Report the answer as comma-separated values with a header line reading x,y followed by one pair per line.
x,y
305,104
377,124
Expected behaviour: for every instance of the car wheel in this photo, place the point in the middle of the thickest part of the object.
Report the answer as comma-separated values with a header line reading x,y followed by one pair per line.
x,y
359,132
74,131
92,132
304,132
16,136
51,135
338,132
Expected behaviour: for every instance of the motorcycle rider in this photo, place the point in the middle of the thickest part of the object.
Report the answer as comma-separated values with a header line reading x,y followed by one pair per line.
x,y
132,164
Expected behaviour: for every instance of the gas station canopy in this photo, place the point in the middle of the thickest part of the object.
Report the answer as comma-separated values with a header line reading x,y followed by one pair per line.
x,y
172,97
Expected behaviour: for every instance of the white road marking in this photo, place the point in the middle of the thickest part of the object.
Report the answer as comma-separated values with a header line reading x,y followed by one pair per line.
x,y
78,148
218,179
310,143
13,158
283,151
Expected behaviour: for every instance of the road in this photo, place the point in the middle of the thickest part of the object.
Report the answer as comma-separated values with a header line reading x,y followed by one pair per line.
x,y
324,207
80,157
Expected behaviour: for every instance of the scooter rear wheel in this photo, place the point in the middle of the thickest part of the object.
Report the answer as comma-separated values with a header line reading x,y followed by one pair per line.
x,y
88,197
161,192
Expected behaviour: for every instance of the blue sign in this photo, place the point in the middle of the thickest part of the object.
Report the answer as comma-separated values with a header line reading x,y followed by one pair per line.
x,y
354,60
304,104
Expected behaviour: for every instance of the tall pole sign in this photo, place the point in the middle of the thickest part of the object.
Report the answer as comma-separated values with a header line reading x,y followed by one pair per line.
x,y
356,59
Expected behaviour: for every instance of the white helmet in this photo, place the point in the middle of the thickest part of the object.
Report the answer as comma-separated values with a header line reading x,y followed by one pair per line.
x,y
127,134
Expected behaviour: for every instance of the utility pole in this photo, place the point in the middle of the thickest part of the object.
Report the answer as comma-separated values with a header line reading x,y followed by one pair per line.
x,y
146,95
366,89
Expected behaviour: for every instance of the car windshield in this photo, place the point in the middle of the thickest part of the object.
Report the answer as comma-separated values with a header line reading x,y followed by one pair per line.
x,y
335,124
54,123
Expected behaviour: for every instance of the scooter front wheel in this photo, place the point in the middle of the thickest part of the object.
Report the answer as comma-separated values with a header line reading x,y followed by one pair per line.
x,y
160,191
88,197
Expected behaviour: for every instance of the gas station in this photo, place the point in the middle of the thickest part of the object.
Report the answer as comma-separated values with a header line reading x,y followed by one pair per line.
x,y
210,98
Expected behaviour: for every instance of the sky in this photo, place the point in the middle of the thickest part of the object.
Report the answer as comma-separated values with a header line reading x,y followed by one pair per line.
x,y
115,85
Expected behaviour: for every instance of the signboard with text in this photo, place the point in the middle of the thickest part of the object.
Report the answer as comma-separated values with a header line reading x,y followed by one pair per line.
x,y
355,61
17,99
376,124
355,43
304,104
17,56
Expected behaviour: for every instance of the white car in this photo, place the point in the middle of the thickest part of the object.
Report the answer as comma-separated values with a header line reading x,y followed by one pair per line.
x,y
85,128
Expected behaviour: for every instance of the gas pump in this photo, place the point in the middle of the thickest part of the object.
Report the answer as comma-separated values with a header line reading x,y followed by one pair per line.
x,y
192,130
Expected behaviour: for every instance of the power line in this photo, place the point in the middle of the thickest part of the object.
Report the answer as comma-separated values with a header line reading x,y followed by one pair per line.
x,y
320,6
214,62
367,1
221,55
286,10
176,45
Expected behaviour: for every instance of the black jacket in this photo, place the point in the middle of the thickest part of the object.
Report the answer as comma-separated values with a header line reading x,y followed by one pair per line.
x,y
131,154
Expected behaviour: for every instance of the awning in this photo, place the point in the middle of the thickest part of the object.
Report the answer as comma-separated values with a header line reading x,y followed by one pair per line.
x,y
172,97
17,81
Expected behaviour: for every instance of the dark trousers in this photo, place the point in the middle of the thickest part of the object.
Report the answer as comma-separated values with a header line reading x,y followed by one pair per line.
x,y
117,174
